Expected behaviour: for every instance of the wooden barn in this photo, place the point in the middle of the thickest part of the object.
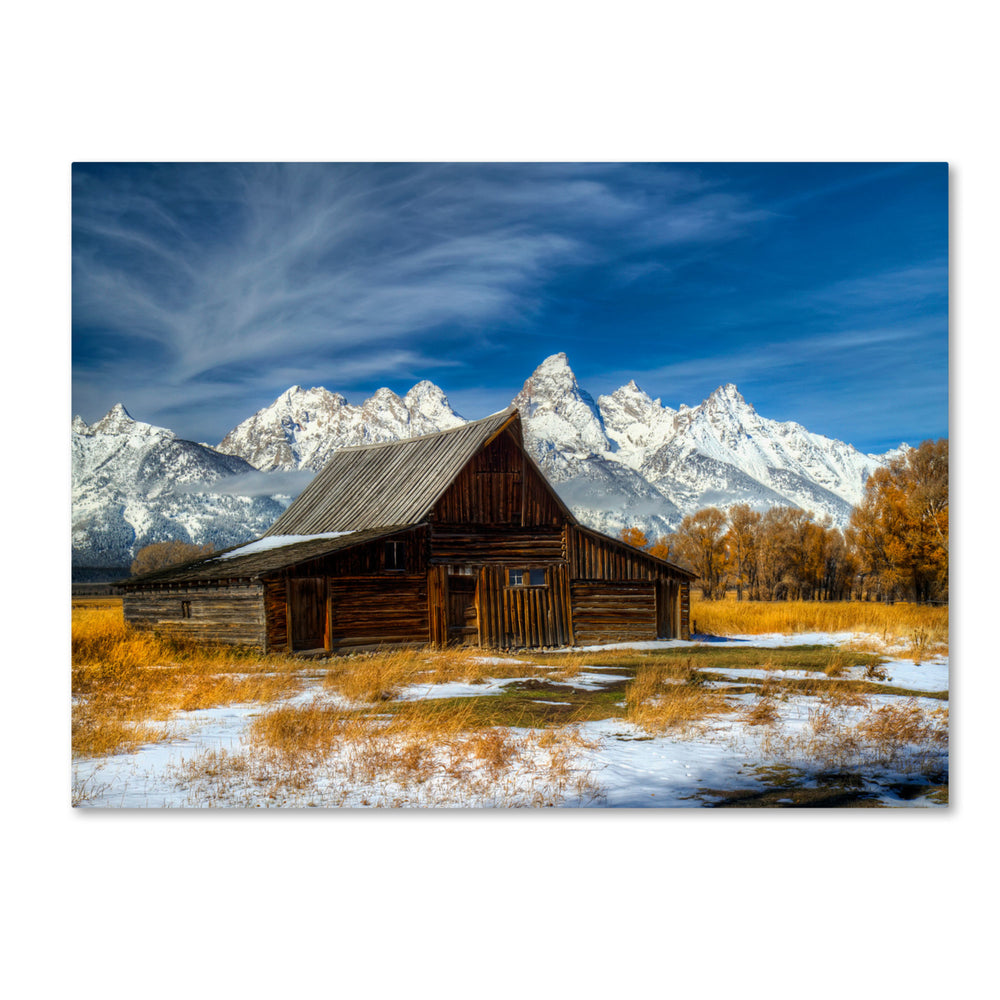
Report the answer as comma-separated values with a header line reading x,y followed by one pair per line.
x,y
449,538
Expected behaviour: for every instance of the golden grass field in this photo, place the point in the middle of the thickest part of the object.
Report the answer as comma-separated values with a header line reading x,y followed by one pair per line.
x,y
130,688
919,627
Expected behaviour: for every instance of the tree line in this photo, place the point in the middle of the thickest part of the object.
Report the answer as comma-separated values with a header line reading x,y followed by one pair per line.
x,y
895,546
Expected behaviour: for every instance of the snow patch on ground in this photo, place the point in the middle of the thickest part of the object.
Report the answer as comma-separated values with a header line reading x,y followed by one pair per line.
x,y
631,768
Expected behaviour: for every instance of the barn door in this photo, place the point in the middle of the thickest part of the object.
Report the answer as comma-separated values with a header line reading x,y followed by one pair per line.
x,y
463,623
666,610
307,612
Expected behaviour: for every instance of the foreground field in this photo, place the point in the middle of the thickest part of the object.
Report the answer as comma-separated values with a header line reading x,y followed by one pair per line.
x,y
799,719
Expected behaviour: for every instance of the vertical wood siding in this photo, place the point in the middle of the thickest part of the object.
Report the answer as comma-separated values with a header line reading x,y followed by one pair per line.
x,y
498,486
514,617
276,614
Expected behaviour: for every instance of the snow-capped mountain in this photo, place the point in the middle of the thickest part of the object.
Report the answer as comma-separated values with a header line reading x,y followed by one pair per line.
x,y
565,433
303,427
624,460
134,484
723,452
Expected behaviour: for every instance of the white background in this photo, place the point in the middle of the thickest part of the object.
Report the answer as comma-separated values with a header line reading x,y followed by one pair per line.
x,y
708,903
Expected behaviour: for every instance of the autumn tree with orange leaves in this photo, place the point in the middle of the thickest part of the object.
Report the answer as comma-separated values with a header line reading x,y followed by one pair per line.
x,y
634,537
900,529
700,541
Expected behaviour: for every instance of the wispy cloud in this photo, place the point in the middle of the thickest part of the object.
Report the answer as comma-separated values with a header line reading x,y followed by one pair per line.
x,y
195,283
773,358
254,484
909,286
312,270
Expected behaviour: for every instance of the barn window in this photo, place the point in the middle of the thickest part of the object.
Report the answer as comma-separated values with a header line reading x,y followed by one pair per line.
x,y
395,555
185,609
526,577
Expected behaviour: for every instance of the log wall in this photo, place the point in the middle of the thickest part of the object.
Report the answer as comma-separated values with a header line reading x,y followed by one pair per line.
x,y
369,559
369,611
463,544
233,615
358,611
608,611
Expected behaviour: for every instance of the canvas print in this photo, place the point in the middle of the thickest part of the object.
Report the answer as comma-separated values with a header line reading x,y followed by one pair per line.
x,y
466,485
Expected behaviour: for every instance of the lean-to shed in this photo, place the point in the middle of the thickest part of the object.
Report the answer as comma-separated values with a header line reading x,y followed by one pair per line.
x,y
454,537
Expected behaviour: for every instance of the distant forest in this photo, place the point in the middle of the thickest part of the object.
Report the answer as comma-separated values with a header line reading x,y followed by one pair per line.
x,y
894,548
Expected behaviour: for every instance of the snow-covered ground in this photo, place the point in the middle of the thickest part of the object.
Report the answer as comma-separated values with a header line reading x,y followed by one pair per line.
x,y
614,763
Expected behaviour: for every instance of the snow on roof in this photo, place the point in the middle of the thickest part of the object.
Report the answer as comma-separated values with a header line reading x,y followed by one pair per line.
x,y
275,542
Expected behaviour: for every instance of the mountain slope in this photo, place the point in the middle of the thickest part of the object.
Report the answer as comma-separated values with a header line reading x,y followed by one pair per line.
x,y
134,484
722,452
564,432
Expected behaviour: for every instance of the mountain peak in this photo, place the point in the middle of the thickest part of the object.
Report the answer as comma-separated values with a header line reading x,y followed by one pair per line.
x,y
554,408
428,400
555,366
556,361
727,399
729,392
116,421
383,396
425,390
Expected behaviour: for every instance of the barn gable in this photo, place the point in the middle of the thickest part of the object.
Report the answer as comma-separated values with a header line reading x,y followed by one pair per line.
x,y
398,482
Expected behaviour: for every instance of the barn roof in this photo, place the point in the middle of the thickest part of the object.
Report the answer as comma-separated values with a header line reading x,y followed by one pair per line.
x,y
252,560
397,482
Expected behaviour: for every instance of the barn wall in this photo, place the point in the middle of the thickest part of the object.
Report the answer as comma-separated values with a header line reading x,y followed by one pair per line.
x,y
359,610
460,544
276,614
369,558
613,611
511,617
369,611
498,486
233,615
595,558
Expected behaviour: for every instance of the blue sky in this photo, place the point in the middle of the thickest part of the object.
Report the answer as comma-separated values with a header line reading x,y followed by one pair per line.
x,y
203,291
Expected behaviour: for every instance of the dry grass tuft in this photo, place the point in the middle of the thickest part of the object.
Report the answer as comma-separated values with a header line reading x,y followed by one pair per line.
x,y
904,736
427,753
656,705
836,665
127,684
843,696
763,712
925,641
892,727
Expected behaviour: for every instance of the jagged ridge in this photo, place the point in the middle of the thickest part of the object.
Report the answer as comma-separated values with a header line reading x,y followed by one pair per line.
x,y
622,460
